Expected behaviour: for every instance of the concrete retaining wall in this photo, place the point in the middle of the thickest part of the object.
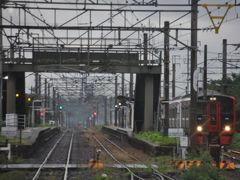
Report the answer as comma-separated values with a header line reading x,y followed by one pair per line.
x,y
26,151
147,147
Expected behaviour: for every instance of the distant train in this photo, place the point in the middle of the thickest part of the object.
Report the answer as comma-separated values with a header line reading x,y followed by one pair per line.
x,y
216,117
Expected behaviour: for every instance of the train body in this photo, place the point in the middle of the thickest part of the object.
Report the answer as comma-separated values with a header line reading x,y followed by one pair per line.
x,y
215,116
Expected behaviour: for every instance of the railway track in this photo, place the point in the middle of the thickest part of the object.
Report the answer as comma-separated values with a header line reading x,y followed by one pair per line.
x,y
70,152
53,156
111,148
232,155
68,155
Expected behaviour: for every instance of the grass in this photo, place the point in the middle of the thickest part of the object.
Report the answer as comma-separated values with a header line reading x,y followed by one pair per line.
x,y
236,141
15,175
156,138
165,163
13,140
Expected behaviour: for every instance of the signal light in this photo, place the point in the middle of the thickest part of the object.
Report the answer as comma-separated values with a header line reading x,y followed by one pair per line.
x,y
29,99
42,114
60,107
17,95
94,114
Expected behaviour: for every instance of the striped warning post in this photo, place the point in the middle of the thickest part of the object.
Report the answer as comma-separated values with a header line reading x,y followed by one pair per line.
x,y
187,164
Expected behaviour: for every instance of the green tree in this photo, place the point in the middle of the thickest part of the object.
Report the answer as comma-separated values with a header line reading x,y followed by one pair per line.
x,y
2,123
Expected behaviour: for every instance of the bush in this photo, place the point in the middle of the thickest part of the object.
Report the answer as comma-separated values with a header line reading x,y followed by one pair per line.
x,y
2,124
236,141
204,172
156,138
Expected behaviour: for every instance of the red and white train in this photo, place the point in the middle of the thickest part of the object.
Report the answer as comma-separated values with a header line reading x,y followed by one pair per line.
x,y
216,117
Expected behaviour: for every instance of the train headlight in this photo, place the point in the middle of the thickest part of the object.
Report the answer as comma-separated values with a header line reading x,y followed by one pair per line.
x,y
199,128
227,128
213,98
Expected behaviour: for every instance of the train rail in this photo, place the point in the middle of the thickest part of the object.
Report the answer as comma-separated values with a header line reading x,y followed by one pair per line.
x,y
155,171
51,155
103,143
232,155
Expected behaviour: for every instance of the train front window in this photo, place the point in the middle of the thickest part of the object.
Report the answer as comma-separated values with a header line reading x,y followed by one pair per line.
x,y
213,114
226,111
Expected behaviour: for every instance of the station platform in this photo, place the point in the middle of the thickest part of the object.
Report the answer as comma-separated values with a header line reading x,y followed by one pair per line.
x,y
127,135
24,143
28,135
126,131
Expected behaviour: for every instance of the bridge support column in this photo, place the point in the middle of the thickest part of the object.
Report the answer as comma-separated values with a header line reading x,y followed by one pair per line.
x,y
146,101
11,93
148,105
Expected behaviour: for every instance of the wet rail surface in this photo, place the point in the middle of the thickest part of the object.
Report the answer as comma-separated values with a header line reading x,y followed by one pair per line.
x,y
113,150
70,148
67,156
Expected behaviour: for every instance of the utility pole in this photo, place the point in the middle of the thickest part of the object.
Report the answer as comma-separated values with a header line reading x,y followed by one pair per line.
x,y
173,79
205,74
39,86
36,85
48,95
45,92
122,84
166,77
193,103
122,110
105,110
1,64
116,93
54,104
159,120
224,66
188,79
110,110
145,46
131,86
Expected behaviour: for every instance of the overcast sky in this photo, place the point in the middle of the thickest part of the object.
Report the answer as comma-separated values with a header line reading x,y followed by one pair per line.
x,y
229,30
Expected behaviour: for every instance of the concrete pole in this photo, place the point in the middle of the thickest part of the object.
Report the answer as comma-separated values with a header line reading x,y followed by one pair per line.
x,y
193,103
187,88
205,74
173,79
145,46
158,123
105,111
39,86
45,92
131,86
110,110
122,84
1,64
122,109
36,85
54,104
166,77
33,115
116,94
48,95
224,66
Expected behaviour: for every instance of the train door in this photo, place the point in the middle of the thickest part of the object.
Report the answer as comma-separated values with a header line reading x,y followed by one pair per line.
x,y
214,123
